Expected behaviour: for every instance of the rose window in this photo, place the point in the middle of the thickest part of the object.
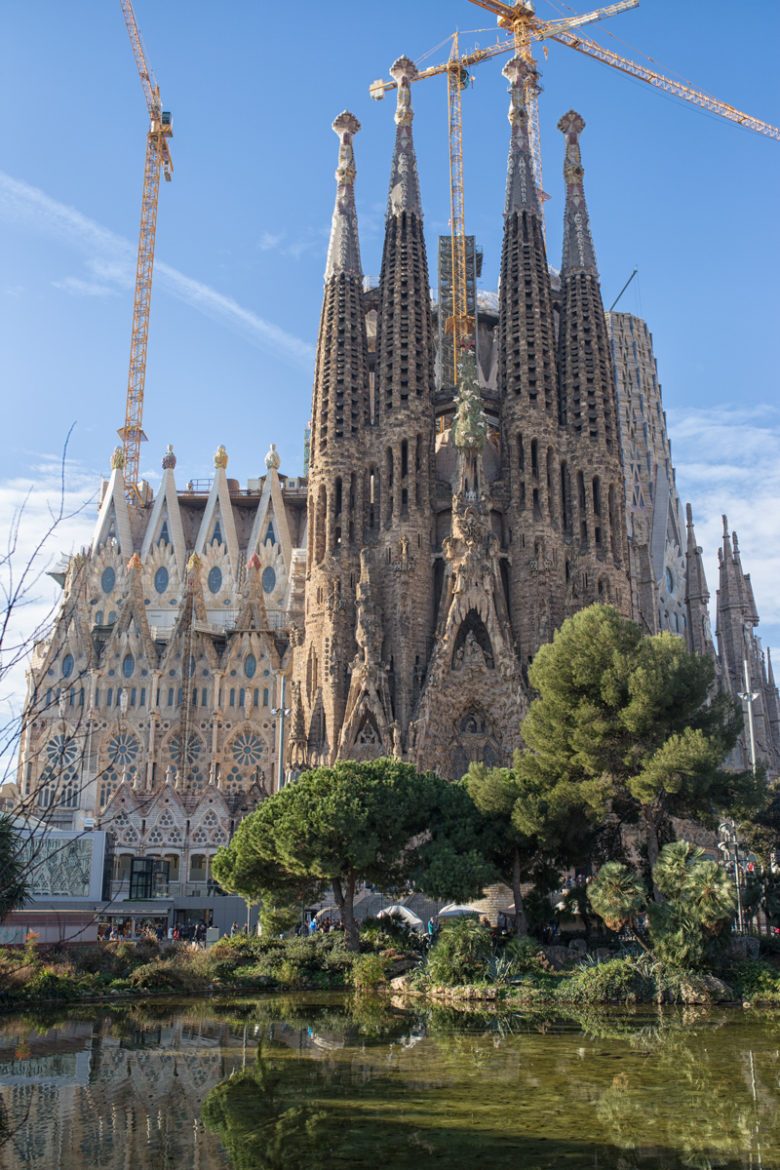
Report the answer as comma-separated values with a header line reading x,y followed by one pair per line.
x,y
61,751
247,749
123,750
190,756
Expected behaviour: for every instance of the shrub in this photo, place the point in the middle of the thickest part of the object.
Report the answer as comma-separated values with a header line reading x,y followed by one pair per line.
x,y
380,934
460,955
616,981
166,974
368,972
756,980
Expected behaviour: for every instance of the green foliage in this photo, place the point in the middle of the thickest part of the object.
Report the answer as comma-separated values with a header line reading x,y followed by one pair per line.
x,y
617,895
261,1121
47,984
166,975
379,934
527,825
380,821
460,954
14,881
756,980
685,928
616,981
368,972
628,722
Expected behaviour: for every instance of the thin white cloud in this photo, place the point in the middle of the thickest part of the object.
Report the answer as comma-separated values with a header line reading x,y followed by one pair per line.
x,y
83,288
110,260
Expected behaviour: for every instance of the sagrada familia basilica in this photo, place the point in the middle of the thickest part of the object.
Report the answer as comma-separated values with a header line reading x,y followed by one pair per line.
x,y
215,640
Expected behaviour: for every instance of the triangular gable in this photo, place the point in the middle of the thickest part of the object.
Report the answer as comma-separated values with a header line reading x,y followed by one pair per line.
x,y
165,522
113,522
271,510
219,513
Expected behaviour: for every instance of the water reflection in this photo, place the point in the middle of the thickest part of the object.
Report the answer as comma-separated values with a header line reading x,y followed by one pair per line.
x,y
323,1082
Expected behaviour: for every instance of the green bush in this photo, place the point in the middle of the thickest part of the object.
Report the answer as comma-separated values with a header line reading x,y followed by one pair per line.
x,y
166,974
368,972
460,954
379,934
616,981
47,984
756,980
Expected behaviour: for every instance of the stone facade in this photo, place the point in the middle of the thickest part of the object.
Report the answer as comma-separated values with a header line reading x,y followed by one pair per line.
x,y
152,708
453,530
395,598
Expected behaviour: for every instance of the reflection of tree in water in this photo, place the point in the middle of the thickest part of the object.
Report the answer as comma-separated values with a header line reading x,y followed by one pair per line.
x,y
258,1115
726,1095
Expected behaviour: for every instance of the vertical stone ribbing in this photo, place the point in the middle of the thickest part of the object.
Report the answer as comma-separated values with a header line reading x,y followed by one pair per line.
x,y
338,438
697,595
536,479
404,430
588,405
743,669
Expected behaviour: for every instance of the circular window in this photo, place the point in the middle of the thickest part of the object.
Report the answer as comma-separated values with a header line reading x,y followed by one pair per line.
x,y
269,580
122,749
250,666
215,580
247,749
128,665
161,579
108,579
67,666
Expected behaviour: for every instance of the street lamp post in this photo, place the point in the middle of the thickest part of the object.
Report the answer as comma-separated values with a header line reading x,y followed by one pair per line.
x,y
748,697
729,846
282,712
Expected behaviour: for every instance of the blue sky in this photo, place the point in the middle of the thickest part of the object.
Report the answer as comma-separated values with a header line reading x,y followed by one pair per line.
x,y
686,197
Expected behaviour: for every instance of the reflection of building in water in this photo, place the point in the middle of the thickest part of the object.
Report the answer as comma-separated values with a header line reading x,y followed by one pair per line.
x,y
80,1096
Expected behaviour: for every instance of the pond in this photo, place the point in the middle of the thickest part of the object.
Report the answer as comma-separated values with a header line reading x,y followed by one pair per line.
x,y
325,1081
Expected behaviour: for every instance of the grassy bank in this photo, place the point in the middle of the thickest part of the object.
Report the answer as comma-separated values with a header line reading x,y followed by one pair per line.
x,y
464,964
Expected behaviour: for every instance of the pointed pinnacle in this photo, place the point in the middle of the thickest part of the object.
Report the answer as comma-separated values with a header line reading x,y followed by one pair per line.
x,y
578,251
344,247
521,193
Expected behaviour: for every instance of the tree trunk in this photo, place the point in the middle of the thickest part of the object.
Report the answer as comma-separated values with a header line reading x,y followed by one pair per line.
x,y
521,923
653,849
345,897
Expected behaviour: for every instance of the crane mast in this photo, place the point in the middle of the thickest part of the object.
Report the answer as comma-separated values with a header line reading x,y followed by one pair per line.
x,y
158,158
460,324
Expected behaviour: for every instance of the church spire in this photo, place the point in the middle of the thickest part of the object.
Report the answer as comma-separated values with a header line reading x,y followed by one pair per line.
x,y
344,249
404,194
339,422
404,339
578,252
521,192
697,594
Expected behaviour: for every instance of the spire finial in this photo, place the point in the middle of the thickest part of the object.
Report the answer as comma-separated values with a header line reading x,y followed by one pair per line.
x,y
402,72
578,251
404,185
344,249
169,459
521,193
117,458
220,457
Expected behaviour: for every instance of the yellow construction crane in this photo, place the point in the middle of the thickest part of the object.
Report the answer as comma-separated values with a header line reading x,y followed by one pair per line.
x,y
525,28
461,324
158,157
